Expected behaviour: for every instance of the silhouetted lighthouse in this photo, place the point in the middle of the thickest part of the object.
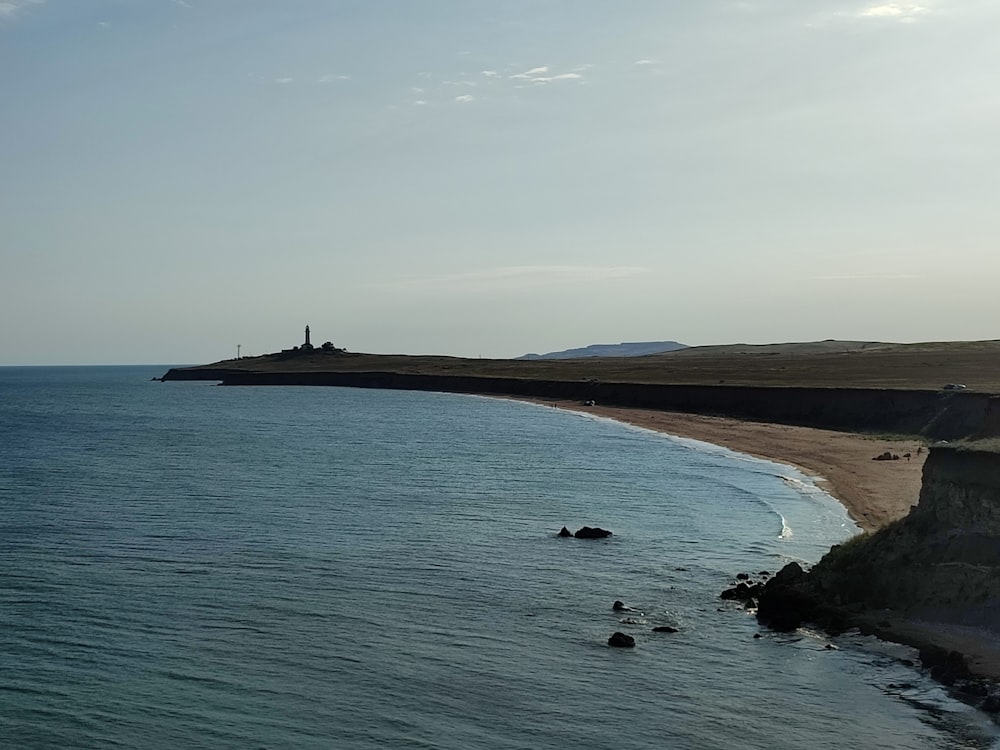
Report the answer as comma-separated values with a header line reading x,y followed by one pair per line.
x,y
307,345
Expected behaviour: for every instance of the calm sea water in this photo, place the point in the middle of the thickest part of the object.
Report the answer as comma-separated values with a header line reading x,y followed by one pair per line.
x,y
188,566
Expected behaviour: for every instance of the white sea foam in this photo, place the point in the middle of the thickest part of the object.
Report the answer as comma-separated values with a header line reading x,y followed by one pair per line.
x,y
786,530
807,488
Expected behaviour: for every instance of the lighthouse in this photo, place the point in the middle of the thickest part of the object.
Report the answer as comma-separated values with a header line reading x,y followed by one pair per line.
x,y
307,345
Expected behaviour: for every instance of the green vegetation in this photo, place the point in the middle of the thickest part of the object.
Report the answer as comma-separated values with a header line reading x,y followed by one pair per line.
x,y
987,445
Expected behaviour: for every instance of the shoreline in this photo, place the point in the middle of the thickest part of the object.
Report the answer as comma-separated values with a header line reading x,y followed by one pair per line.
x,y
875,493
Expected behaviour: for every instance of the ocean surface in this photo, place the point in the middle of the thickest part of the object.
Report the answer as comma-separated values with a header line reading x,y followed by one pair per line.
x,y
189,566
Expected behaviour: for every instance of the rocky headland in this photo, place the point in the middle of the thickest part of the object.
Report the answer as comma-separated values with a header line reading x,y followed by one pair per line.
x,y
863,387
930,579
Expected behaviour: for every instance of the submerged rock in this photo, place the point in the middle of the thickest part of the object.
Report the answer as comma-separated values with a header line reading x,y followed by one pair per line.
x,y
592,533
743,592
947,667
620,640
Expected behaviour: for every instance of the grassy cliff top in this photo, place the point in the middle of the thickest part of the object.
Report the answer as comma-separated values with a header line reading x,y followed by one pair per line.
x,y
825,364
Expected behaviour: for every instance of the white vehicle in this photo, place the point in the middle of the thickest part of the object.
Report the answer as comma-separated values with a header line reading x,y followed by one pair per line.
x,y
954,387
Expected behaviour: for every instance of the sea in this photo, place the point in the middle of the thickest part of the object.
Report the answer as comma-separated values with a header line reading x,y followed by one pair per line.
x,y
184,565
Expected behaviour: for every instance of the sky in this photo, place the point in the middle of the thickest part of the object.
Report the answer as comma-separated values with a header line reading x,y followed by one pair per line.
x,y
179,178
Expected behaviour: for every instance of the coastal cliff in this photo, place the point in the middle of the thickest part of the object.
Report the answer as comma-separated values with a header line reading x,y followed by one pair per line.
x,y
941,391
939,563
938,415
919,580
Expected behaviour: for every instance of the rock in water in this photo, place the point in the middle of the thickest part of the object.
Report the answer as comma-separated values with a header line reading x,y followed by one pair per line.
x,y
784,604
592,533
565,532
620,640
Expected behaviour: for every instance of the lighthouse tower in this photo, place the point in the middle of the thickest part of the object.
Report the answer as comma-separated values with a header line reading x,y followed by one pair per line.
x,y
307,345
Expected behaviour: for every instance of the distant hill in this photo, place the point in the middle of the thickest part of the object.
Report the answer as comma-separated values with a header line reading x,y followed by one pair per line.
x,y
625,349
830,346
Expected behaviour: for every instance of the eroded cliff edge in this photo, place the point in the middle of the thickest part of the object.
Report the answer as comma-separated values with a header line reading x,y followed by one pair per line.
x,y
931,579
933,414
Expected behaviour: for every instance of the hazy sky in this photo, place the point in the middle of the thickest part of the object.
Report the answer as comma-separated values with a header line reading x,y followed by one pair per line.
x,y
490,178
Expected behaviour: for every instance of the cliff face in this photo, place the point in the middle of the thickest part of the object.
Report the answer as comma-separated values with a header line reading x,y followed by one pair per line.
x,y
935,414
940,563
961,491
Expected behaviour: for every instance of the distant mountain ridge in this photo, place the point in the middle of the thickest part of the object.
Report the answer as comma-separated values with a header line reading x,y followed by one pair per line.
x,y
625,349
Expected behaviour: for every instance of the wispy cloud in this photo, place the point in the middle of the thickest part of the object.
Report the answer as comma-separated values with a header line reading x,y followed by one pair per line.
x,y
519,277
333,78
432,89
541,75
560,77
534,72
283,81
649,66
904,12
9,9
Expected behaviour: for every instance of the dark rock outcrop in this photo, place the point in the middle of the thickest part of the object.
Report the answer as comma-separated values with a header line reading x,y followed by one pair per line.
x,y
746,590
742,591
991,705
592,533
947,667
564,532
621,640
785,603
